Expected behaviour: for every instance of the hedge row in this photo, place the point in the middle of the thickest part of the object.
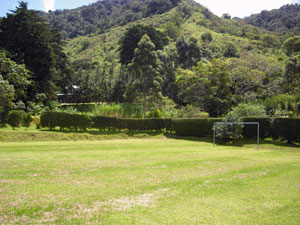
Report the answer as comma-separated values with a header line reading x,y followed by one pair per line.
x,y
194,127
265,127
82,122
64,120
108,123
286,129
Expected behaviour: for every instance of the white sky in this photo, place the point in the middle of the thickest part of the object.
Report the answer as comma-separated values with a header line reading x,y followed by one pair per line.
x,y
49,5
242,8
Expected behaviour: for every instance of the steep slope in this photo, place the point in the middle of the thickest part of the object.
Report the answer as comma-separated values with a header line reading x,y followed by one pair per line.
x,y
102,15
257,54
194,20
284,19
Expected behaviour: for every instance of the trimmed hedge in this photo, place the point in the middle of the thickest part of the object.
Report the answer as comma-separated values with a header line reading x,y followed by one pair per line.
x,y
287,129
72,121
265,127
195,127
65,120
108,123
105,123
146,124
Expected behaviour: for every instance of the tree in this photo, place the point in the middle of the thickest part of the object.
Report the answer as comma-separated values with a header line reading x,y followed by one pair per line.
x,y
129,42
7,95
230,51
226,16
189,53
235,115
15,118
207,37
144,76
291,45
17,75
292,75
34,43
168,59
208,84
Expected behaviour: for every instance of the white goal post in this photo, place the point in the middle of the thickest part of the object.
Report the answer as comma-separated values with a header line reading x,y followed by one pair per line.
x,y
237,123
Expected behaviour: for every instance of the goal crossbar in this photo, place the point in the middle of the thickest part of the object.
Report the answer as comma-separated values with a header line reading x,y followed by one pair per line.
x,y
237,123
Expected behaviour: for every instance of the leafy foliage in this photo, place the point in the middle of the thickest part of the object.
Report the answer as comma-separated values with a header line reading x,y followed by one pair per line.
x,y
17,75
99,17
225,131
286,18
129,42
31,40
144,74
7,95
15,118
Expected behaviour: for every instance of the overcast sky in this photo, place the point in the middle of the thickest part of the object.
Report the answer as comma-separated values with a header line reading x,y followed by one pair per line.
x,y
239,8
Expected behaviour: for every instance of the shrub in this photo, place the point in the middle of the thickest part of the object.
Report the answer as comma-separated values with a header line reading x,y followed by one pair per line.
x,y
194,127
265,127
206,37
15,118
242,110
287,129
27,119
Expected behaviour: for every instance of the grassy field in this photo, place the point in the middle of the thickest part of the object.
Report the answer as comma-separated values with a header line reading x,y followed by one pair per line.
x,y
150,181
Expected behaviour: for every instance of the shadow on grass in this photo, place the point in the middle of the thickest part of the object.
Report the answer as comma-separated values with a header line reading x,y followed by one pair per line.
x,y
140,134
234,142
108,133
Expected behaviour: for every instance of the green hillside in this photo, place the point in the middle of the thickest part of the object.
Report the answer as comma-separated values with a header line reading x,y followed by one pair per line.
x,y
99,17
282,20
96,57
169,54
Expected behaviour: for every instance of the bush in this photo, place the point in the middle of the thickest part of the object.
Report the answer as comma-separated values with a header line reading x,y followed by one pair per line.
x,y
287,129
27,119
265,127
15,118
207,37
225,131
194,127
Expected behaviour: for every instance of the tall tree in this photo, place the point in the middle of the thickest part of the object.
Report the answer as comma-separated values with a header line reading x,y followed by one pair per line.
x,y
131,38
208,84
189,53
17,75
292,75
34,43
144,74
7,95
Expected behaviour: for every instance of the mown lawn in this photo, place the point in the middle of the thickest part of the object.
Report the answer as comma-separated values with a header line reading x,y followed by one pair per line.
x,y
152,181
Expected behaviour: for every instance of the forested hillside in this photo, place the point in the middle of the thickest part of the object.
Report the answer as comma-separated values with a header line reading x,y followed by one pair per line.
x,y
251,59
284,19
102,15
169,55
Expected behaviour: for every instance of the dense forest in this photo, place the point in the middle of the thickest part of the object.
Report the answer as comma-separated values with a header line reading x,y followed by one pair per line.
x,y
284,19
99,17
160,54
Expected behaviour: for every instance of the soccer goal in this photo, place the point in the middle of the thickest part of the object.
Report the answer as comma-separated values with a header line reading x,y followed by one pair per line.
x,y
237,123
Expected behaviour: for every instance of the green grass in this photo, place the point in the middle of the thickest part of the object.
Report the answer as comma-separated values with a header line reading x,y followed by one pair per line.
x,y
152,181
32,135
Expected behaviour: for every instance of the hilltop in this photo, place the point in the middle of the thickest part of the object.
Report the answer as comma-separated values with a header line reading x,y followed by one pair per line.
x,y
99,17
284,19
